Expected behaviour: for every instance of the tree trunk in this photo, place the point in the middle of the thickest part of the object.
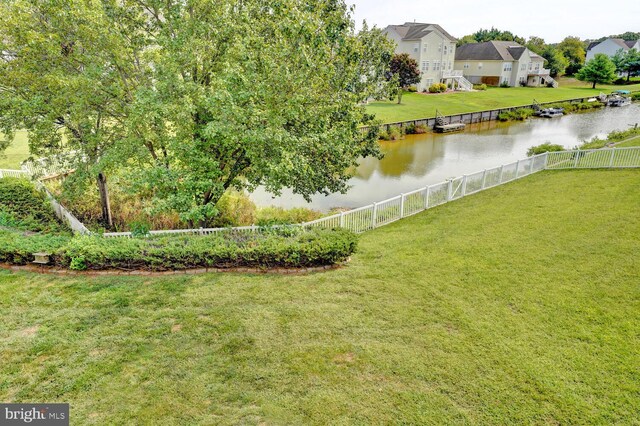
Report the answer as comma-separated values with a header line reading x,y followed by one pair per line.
x,y
105,203
399,96
628,75
594,85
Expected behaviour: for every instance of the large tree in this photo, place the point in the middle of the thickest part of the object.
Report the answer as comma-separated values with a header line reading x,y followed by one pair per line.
x,y
483,35
195,97
66,77
403,72
252,93
627,62
555,61
600,69
574,50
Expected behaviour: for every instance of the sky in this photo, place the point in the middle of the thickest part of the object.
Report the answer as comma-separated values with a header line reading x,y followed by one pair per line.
x,y
553,21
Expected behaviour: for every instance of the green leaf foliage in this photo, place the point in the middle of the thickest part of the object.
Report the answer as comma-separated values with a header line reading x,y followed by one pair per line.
x,y
600,69
23,207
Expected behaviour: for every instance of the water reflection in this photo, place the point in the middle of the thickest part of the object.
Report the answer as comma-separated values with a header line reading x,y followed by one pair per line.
x,y
421,160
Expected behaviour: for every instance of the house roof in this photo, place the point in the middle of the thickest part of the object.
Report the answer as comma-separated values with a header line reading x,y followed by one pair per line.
x,y
631,43
417,30
625,44
495,50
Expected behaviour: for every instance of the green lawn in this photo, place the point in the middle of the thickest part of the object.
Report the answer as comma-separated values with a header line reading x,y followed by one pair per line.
x,y
518,305
16,153
631,142
417,105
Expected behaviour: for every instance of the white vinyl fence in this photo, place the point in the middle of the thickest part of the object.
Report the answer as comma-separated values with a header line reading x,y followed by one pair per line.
x,y
407,204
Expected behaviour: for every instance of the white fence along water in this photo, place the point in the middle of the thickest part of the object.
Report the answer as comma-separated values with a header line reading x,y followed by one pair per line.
x,y
407,204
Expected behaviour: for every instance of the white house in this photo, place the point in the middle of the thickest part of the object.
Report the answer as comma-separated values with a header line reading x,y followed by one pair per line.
x,y
610,46
502,62
433,49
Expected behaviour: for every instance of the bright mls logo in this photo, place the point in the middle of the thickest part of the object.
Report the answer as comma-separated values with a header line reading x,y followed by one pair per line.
x,y
34,414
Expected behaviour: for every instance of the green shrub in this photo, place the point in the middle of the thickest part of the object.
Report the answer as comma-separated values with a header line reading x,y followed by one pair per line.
x,y
412,89
23,207
480,86
635,96
234,209
504,84
268,216
545,147
17,248
517,114
437,88
413,129
288,247
393,134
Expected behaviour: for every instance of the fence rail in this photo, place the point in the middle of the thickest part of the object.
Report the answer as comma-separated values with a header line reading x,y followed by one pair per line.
x,y
392,209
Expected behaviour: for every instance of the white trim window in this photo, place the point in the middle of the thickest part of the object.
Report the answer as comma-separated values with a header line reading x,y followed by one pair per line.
x,y
416,47
507,66
466,65
425,47
445,49
436,65
479,65
523,67
425,66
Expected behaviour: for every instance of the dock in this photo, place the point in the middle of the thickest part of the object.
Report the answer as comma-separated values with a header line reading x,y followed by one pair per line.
x,y
446,128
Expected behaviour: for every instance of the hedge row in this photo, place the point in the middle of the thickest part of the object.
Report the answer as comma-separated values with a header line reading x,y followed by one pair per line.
x,y
263,250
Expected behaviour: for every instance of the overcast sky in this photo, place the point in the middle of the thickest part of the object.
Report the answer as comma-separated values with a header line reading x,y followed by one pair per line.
x,y
551,20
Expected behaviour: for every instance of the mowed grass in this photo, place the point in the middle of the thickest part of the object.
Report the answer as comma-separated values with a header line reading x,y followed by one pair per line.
x,y
417,105
15,153
518,305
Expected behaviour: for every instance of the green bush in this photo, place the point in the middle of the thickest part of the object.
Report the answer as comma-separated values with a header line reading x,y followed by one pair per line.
x,y
504,84
437,88
23,207
545,147
517,114
480,86
393,134
635,96
412,129
268,216
289,247
18,248
412,89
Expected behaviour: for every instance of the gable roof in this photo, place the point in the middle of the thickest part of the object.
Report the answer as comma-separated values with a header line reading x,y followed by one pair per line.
x,y
495,50
631,43
417,30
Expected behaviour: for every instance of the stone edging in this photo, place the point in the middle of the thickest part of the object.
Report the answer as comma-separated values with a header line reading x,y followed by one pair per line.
x,y
116,272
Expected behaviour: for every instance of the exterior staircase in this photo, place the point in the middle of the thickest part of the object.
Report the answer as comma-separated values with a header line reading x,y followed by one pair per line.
x,y
456,75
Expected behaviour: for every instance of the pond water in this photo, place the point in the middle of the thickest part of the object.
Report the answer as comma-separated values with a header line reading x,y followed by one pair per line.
x,y
420,160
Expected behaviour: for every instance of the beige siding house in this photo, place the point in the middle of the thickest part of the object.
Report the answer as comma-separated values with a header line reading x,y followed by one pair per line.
x,y
433,49
502,62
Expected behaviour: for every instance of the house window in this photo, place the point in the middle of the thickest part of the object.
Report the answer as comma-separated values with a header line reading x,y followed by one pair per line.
x,y
523,67
436,65
424,48
416,47
507,66
428,82
479,65
445,49
537,66
522,80
530,66
466,66
440,47
425,66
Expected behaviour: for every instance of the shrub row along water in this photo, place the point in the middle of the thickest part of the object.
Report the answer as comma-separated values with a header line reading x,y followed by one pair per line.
x,y
28,226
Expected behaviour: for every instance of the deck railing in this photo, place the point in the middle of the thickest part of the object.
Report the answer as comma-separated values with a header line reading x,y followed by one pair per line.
x,y
407,204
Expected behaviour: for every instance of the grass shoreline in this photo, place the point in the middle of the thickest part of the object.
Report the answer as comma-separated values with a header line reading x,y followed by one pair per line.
x,y
416,106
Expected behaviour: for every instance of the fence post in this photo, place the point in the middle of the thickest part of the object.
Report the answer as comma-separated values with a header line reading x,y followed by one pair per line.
x,y
501,172
546,160
464,185
450,190
575,164
613,151
484,178
374,215
341,219
426,197
401,206
517,169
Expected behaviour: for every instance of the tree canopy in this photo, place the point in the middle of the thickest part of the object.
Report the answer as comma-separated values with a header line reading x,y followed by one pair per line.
x,y
403,71
627,62
574,50
600,69
195,97
555,61
483,35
